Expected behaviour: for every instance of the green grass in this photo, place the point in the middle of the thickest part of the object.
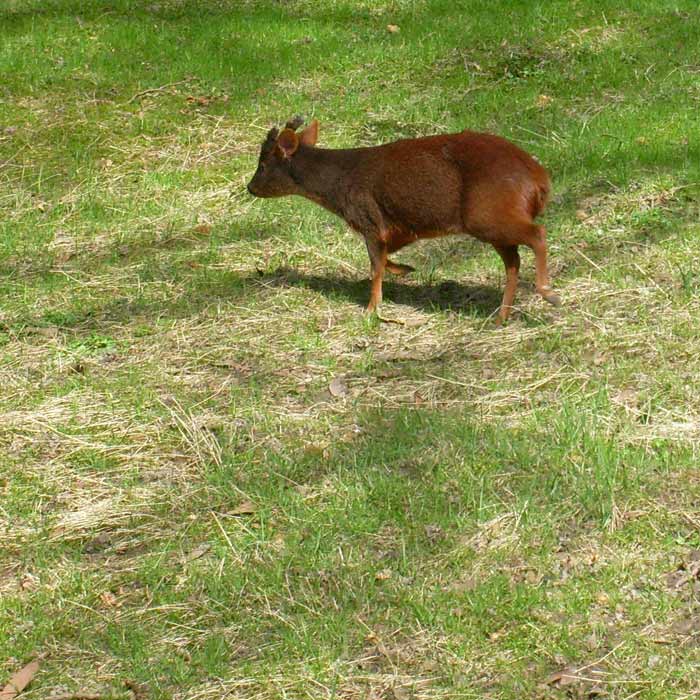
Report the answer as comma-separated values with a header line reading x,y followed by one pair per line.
x,y
187,511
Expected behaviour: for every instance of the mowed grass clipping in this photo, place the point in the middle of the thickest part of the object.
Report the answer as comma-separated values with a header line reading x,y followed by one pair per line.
x,y
220,479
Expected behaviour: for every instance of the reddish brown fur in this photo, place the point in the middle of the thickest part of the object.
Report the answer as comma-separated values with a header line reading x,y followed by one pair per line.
x,y
473,183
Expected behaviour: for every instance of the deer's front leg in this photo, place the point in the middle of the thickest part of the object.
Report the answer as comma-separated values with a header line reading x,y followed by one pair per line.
x,y
377,257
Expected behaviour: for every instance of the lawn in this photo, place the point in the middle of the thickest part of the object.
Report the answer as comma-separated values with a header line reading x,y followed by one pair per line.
x,y
220,479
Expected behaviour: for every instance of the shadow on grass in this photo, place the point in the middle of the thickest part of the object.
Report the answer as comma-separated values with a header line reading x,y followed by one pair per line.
x,y
450,295
98,9
206,287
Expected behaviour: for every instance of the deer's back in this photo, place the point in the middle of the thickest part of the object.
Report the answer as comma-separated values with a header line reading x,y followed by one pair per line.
x,y
432,183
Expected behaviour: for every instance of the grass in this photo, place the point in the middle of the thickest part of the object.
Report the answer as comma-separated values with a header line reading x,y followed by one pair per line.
x,y
187,511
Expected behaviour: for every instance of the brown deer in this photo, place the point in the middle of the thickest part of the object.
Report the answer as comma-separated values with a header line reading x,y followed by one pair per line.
x,y
394,194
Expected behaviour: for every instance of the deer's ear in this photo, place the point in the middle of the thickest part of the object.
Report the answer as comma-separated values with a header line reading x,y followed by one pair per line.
x,y
294,123
310,135
287,143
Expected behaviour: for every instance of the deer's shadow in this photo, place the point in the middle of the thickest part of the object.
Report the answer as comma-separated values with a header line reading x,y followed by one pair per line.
x,y
448,295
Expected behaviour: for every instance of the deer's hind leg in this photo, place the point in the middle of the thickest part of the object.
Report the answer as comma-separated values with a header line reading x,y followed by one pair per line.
x,y
398,268
538,243
396,240
534,237
507,225
511,259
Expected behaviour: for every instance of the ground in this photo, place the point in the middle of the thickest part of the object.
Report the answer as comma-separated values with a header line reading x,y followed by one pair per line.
x,y
220,479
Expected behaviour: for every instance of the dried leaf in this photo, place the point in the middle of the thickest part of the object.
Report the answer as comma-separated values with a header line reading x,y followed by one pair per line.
x,y
592,642
244,508
203,229
434,533
627,398
401,693
228,363
600,358
19,681
390,373
562,678
533,577
48,331
210,422
338,387
414,322
687,626
29,582
654,661
109,599
465,586
676,580
197,552
200,101
138,690
603,598
572,673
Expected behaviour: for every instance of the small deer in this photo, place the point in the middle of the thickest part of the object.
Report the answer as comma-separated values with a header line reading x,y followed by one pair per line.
x,y
396,193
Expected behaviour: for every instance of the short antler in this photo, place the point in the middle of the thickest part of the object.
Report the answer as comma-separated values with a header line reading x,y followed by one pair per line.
x,y
294,123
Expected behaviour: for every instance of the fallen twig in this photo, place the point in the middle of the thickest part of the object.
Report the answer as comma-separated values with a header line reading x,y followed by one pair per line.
x,y
151,91
397,321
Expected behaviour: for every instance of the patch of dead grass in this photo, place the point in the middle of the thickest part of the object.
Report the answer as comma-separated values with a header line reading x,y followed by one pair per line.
x,y
614,208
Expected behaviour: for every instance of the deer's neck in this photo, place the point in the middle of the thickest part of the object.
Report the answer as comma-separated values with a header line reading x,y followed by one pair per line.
x,y
324,175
